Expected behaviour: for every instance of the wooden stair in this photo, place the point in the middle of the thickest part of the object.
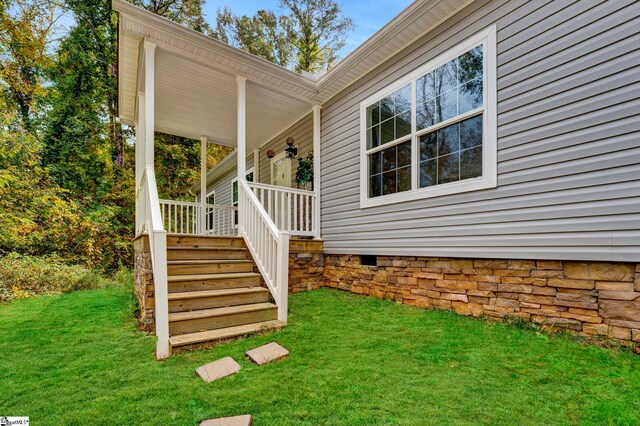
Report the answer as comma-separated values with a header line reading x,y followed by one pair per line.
x,y
214,291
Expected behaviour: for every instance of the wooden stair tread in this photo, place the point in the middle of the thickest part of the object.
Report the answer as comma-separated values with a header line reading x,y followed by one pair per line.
x,y
213,293
223,333
196,277
207,261
218,312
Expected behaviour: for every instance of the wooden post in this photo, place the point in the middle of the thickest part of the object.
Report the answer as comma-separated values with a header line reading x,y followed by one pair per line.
x,y
242,141
316,169
203,185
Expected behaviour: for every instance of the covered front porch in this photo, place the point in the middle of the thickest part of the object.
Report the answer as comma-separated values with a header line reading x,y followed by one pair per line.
x,y
179,82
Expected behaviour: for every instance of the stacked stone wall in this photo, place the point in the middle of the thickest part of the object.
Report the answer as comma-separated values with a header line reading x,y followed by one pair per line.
x,y
589,298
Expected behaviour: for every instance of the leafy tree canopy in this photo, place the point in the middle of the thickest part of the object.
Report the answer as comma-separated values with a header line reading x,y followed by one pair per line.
x,y
304,35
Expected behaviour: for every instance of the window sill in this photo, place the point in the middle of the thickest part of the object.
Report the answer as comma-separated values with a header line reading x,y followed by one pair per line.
x,y
436,191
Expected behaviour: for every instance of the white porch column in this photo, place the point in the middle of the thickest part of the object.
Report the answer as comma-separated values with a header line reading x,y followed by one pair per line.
x,y
242,127
140,153
157,237
149,101
203,185
316,169
242,142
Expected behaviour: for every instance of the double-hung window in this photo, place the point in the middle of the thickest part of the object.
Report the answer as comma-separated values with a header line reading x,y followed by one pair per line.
x,y
433,132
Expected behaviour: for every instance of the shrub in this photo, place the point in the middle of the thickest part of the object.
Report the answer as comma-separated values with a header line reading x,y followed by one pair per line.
x,y
29,276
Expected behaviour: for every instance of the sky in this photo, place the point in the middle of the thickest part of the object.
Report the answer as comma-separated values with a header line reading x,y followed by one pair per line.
x,y
368,15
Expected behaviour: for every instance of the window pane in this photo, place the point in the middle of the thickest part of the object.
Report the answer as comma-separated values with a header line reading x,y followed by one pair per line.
x,y
425,114
428,173
471,163
404,154
470,96
448,168
446,77
373,137
428,146
394,118
455,88
403,124
373,115
448,140
394,163
387,109
425,88
404,179
452,153
389,182
402,99
375,165
234,192
389,159
446,106
470,65
471,132
387,131
250,177
375,186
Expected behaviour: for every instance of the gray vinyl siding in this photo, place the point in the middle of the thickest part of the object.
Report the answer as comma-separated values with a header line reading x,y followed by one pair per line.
x,y
302,133
222,185
568,143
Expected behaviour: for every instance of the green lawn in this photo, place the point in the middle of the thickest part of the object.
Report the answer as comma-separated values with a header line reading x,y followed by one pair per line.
x,y
78,359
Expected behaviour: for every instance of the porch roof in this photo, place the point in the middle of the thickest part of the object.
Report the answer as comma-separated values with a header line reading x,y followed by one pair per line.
x,y
195,88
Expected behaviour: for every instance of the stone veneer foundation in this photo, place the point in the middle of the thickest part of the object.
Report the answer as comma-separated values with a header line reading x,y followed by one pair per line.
x,y
590,298
144,290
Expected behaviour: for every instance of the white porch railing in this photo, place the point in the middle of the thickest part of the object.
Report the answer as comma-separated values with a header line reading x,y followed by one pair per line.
x,y
185,217
292,210
268,245
147,196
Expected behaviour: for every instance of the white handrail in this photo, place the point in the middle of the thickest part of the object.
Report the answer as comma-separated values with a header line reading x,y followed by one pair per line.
x,y
268,245
184,217
158,248
292,210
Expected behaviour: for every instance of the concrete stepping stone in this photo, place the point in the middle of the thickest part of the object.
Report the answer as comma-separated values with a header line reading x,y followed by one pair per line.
x,y
267,353
245,420
218,369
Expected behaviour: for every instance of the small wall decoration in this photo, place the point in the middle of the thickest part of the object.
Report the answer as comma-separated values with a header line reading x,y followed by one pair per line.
x,y
271,153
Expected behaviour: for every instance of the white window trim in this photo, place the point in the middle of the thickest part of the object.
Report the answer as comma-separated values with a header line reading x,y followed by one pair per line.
x,y
489,176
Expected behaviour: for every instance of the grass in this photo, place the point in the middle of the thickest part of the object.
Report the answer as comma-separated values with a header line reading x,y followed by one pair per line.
x,y
77,358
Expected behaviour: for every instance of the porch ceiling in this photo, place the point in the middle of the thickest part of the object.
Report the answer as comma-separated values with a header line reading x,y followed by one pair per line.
x,y
195,87
195,100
